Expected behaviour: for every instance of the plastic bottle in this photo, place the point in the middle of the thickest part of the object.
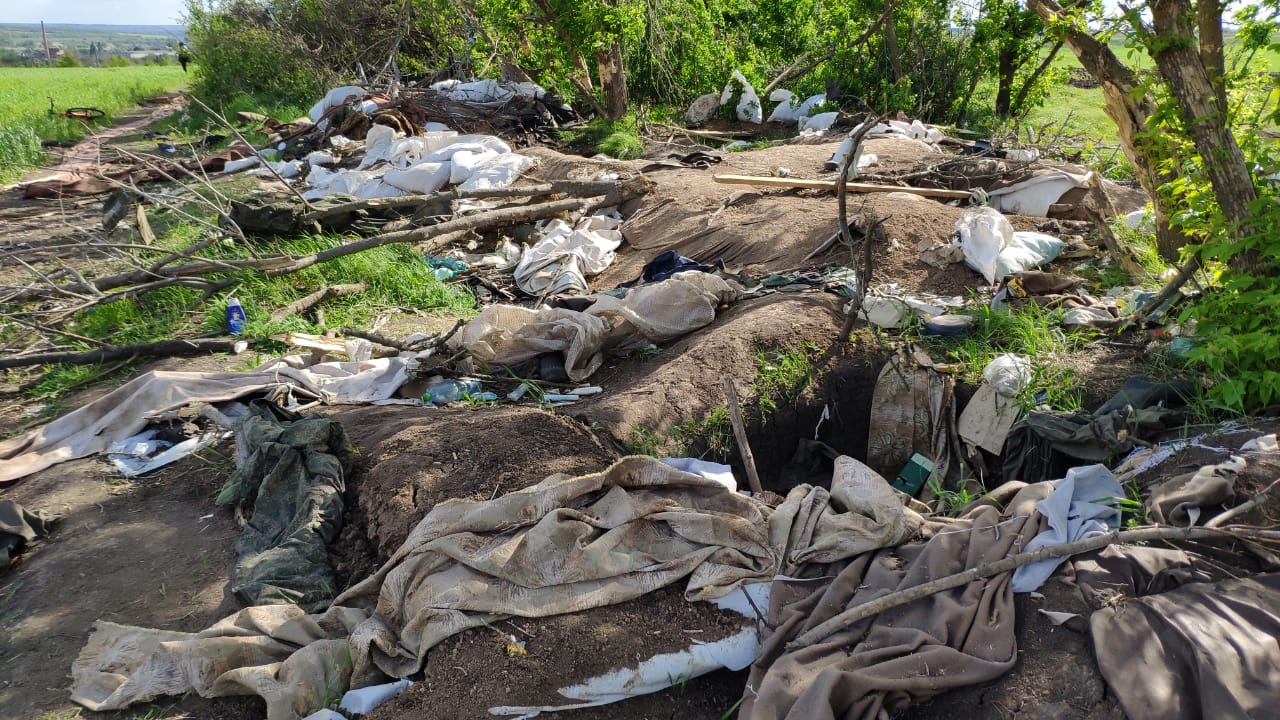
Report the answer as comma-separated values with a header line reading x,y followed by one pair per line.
x,y
236,319
449,391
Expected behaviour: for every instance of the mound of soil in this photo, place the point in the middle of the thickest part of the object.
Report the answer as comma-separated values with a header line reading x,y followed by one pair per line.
x,y
469,673
412,458
684,381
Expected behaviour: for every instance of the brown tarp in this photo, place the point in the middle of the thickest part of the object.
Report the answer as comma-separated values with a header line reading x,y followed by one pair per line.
x,y
564,545
78,182
881,665
1202,651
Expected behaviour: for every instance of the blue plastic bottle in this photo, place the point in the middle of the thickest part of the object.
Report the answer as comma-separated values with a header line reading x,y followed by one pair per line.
x,y
236,319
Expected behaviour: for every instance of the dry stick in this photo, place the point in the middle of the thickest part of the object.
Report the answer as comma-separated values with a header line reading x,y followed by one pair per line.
x,y
55,331
806,184
297,307
1185,271
1130,264
223,121
566,187
164,348
740,434
1008,564
842,201
283,264
1243,507
374,338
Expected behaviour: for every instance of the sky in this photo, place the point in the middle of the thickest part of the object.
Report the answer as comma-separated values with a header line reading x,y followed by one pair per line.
x,y
93,12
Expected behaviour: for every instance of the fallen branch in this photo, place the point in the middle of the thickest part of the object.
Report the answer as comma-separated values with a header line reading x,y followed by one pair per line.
x,y
284,264
1122,254
740,434
798,183
163,348
902,597
297,307
1243,507
1185,271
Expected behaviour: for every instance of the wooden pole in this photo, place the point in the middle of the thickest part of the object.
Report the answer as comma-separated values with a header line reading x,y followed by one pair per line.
x,y
740,434
769,181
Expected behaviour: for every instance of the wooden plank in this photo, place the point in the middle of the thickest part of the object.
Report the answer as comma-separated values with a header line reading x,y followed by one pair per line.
x,y
769,181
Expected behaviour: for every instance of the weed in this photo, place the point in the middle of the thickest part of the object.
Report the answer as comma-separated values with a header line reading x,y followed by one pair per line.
x,y
783,374
732,709
1024,330
710,435
1132,509
951,502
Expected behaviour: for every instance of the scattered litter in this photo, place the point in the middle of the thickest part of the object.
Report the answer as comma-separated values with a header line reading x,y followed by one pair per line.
x,y
566,255
364,700
722,474
1008,374
1057,618
1082,504
588,390
144,452
20,527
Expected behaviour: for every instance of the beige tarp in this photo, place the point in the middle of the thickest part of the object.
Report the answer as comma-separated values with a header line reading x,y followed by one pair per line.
x,y
129,408
508,334
878,666
564,545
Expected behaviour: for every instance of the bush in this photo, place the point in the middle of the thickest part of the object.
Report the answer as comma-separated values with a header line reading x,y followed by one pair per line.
x,y
118,61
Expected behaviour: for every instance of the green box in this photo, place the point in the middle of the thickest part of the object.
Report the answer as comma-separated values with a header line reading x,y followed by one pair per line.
x,y
914,475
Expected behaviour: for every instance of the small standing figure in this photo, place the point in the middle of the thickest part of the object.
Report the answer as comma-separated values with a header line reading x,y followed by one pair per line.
x,y
184,57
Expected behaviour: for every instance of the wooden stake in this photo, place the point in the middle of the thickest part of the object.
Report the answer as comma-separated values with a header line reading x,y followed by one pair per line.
x,y
769,181
740,434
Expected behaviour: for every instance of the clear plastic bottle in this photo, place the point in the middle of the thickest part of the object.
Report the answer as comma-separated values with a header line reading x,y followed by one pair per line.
x,y
449,391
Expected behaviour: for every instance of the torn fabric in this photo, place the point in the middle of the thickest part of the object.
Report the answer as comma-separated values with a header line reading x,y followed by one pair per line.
x,y
158,394
291,486
879,666
1083,504
18,527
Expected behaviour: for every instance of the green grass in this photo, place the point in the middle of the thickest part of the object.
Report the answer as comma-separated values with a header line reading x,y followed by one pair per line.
x,y
196,122
782,374
620,140
396,276
24,104
1024,330
710,436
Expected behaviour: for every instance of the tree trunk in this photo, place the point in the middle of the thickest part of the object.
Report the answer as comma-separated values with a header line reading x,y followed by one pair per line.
x,y
1004,77
613,80
1035,75
1181,67
1128,109
891,41
1209,21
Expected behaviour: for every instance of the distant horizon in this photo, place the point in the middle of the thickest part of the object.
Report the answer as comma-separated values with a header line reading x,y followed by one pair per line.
x,y
94,12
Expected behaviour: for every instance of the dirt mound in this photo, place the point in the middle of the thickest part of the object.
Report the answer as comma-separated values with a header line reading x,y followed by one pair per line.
x,y
684,380
468,673
412,458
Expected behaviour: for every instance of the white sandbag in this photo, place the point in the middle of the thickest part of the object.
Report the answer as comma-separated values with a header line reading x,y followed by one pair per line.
x,y
334,98
1027,250
469,143
377,145
806,108
820,122
498,172
464,162
749,108
423,178
1034,195
363,184
984,232
407,151
320,157
288,169
566,255
437,127
242,164
788,103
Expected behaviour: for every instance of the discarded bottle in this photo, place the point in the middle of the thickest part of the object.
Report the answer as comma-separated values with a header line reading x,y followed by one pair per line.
x,y
236,319
449,391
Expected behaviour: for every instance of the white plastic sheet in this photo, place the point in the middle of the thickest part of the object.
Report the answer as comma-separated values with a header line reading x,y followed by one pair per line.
x,y
1034,195
423,178
334,98
499,172
566,255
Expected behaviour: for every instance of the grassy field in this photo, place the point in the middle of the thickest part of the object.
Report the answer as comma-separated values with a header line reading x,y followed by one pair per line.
x,y
24,104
